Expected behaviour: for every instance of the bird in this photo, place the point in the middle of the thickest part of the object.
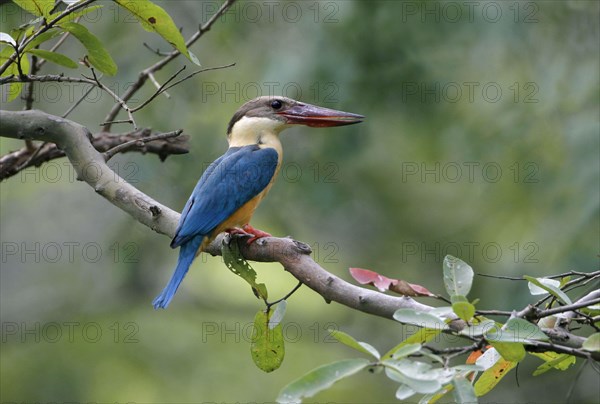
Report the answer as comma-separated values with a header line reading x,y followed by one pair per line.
x,y
231,188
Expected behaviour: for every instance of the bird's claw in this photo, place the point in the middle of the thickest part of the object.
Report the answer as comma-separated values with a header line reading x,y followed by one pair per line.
x,y
247,231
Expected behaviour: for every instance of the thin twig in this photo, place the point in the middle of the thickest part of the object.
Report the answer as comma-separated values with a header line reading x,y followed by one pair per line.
x,y
510,278
32,156
145,74
156,51
494,313
116,97
157,84
159,90
76,104
198,72
269,305
570,307
165,87
116,121
30,86
139,142
572,386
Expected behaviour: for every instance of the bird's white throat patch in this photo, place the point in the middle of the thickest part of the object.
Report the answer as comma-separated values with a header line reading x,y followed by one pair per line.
x,y
256,130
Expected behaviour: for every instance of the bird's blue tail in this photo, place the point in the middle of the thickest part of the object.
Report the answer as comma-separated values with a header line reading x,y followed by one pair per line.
x,y
187,253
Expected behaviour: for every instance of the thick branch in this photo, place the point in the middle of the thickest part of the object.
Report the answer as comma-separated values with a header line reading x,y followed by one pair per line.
x,y
89,164
14,162
74,139
295,258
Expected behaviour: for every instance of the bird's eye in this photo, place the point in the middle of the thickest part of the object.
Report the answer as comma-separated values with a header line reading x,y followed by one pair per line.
x,y
276,104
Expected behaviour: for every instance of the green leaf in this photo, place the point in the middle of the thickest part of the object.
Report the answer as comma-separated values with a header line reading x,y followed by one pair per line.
x,y
419,376
238,265
516,330
434,397
348,340
462,308
548,286
422,336
592,310
536,290
407,350
592,343
458,276
492,376
463,390
267,347
479,328
420,319
14,89
98,56
320,379
154,19
278,314
40,8
511,352
22,32
41,38
404,392
553,361
54,57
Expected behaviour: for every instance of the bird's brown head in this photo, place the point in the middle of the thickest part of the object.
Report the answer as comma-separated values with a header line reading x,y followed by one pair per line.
x,y
286,111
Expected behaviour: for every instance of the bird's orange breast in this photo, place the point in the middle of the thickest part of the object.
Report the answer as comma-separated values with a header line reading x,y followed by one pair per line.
x,y
239,218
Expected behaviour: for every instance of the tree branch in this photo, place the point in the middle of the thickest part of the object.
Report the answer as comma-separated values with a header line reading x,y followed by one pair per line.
x,y
294,256
13,163
89,164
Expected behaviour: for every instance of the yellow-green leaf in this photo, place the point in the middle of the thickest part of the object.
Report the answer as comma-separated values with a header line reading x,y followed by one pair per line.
x,y
267,346
40,8
513,352
491,377
41,38
422,336
348,340
233,259
154,19
54,57
553,360
98,56
14,89
462,308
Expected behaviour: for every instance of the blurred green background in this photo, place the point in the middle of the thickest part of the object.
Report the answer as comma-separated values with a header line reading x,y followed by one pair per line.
x,y
481,141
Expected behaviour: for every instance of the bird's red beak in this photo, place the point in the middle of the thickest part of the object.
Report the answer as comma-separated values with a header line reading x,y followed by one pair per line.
x,y
311,115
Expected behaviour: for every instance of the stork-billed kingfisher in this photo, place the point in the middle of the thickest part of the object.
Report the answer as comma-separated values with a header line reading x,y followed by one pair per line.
x,y
234,184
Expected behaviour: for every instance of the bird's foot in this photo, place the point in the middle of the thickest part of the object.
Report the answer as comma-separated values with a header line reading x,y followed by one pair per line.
x,y
248,231
256,234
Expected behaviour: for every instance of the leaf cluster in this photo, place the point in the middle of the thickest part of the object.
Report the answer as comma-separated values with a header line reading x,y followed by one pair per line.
x,y
26,41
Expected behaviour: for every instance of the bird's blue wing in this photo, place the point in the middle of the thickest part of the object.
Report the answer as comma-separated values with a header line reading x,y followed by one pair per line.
x,y
227,184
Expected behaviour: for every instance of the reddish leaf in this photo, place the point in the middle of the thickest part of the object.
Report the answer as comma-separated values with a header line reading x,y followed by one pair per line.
x,y
383,283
